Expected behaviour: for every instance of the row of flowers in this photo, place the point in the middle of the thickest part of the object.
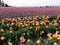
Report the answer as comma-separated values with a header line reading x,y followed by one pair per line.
x,y
37,30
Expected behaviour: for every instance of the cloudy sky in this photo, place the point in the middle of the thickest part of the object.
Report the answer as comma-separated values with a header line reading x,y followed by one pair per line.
x,y
33,2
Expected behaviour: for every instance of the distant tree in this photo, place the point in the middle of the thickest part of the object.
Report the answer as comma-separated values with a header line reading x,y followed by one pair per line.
x,y
47,6
6,5
0,2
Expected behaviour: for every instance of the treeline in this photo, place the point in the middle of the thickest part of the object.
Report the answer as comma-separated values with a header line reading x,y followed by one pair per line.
x,y
2,4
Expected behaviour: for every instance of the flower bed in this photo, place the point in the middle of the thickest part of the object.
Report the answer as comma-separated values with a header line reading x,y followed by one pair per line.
x,y
37,30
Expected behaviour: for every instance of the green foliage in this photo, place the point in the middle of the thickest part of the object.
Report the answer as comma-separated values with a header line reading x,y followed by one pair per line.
x,y
25,28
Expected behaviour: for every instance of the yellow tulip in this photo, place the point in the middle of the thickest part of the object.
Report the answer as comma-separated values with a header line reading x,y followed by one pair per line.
x,y
38,42
55,43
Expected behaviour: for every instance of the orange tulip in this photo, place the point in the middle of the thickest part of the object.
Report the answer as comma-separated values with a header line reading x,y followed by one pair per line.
x,y
55,24
38,27
46,17
22,25
55,43
10,31
57,32
26,24
37,23
58,38
46,26
9,43
55,35
49,36
28,40
43,17
50,23
7,24
2,38
30,27
42,31
22,39
11,24
2,21
33,24
2,30
12,20
11,28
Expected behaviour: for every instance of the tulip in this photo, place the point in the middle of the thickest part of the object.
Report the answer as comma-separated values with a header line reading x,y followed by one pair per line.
x,y
22,39
55,43
38,42
2,30
2,38
28,40
55,24
9,43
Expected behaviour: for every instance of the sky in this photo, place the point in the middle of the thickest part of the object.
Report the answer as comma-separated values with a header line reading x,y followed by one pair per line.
x,y
32,2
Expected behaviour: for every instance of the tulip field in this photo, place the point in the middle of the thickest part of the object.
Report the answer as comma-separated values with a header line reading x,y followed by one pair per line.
x,y
27,11
29,29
